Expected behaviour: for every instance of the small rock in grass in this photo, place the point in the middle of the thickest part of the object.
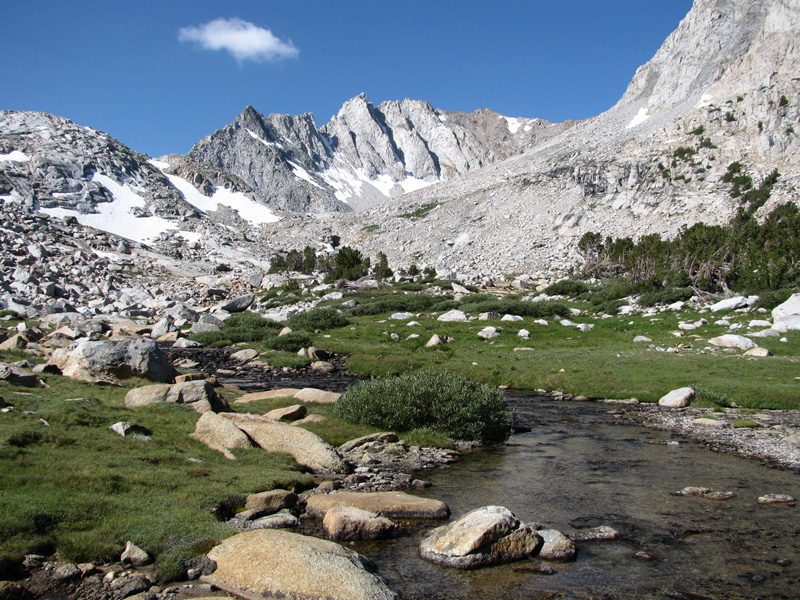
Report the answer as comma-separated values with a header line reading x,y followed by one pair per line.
x,y
776,499
134,556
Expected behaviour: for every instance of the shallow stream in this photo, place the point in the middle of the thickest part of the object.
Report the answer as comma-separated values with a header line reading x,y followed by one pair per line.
x,y
580,467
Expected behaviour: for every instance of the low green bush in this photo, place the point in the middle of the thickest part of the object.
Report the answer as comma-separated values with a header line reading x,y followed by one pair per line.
x,y
238,328
291,342
321,318
567,287
438,400
410,286
389,303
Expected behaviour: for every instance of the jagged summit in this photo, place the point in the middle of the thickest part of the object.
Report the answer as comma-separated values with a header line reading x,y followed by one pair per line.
x,y
365,154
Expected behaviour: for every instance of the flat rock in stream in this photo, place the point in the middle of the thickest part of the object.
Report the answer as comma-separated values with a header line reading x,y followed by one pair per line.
x,y
269,563
392,505
347,523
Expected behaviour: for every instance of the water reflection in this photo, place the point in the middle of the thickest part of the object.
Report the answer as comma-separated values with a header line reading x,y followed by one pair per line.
x,y
579,468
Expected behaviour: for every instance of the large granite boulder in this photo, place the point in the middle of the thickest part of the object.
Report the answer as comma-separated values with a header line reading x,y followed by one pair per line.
x,y
678,398
308,449
393,505
269,563
787,315
485,536
199,395
101,360
218,433
730,340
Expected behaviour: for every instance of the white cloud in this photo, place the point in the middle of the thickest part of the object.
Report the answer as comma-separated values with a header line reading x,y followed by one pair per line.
x,y
243,40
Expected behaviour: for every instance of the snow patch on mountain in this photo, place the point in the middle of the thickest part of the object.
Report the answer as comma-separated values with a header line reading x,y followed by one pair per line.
x,y
248,209
640,118
117,217
15,156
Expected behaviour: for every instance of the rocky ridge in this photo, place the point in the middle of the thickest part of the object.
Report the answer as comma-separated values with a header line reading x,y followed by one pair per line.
x,y
365,154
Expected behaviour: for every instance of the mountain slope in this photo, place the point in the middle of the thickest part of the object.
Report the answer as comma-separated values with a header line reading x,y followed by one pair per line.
x,y
722,88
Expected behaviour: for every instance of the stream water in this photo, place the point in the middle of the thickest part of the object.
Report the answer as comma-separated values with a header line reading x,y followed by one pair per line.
x,y
579,467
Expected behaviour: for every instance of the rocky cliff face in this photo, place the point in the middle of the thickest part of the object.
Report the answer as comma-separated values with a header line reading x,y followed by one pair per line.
x,y
366,154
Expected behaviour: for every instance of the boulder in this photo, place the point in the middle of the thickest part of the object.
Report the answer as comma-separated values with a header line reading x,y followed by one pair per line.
x,y
762,352
453,316
199,395
96,361
434,341
134,556
125,428
511,318
186,343
401,316
280,520
557,546
393,505
787,315
236,304
488,333
386,437
347,523
730,340
315,395
322,366
484,536
244,356
267,395
267,503
15,342
146,395
308,449
677,398
729,304
290,413
17,376
270,563
218,433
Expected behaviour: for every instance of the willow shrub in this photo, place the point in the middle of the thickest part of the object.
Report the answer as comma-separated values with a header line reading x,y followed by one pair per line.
x,y
437,400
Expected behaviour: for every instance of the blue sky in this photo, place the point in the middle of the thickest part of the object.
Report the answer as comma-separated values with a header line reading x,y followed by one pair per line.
x,y
146,71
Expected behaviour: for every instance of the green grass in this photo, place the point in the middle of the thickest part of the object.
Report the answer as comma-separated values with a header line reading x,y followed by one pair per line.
x,y
602,363
78,488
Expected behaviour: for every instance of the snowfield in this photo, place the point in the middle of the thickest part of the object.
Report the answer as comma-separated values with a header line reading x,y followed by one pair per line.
x,y
248,209
116,217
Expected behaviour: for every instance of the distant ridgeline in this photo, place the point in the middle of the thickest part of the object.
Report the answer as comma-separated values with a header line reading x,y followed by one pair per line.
x,y
743,255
